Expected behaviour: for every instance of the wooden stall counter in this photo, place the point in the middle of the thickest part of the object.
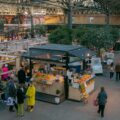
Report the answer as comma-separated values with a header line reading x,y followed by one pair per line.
x,y
80,88
50,88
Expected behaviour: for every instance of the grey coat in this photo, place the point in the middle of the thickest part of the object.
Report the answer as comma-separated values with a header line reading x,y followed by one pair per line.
x,y
12,91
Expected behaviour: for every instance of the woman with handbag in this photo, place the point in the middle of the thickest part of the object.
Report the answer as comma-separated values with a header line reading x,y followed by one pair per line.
x,y
12,93
102,99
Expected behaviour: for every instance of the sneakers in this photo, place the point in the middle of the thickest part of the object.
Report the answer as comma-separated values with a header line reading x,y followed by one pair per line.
x,y
31,110
20,115
12,110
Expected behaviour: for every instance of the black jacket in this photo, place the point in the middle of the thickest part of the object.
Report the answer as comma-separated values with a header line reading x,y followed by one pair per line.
x,y
20,96
102,98
21,76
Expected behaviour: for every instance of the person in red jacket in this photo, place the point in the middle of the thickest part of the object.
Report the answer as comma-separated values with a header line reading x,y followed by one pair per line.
x,y
4,71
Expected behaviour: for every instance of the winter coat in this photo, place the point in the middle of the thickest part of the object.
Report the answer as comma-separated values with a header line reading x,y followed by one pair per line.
x,y
30,95
4,70
12,91
117,68
21,76
102,98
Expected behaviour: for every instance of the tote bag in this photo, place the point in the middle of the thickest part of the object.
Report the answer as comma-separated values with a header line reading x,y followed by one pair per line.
x,y
95,102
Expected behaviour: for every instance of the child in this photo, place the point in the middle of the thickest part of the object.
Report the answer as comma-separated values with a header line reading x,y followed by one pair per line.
x,y
111,70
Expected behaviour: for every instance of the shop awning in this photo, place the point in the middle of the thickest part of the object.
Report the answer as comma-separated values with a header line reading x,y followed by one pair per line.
x,y
57,50
82,53
57,47
54,49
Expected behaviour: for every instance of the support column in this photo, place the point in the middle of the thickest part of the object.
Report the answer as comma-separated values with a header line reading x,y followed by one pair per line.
x,y
66,85
32,26
17,63
31,68
69,15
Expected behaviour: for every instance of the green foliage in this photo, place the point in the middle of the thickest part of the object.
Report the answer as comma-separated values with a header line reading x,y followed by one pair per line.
x,y
61,35
88,37
40,29
1,26
37,29
78,34
102,37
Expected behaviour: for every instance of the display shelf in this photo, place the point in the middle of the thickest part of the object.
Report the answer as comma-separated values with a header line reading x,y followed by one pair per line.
x,y
49,98
49,87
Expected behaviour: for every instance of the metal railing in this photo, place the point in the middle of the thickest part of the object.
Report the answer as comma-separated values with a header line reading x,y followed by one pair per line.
x,y
24,44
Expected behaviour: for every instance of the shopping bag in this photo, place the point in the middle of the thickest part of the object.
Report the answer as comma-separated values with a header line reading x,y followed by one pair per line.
x,y
10,101
95,102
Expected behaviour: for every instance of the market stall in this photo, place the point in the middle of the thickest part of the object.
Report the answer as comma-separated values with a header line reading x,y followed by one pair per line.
x,y
48,66
81,87
49,84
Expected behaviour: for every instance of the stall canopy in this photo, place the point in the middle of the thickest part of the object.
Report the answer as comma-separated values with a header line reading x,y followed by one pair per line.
x,y
82,53
58,47
54,51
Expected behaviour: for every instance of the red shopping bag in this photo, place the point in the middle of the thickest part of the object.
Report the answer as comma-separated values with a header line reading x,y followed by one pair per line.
x,y
95,102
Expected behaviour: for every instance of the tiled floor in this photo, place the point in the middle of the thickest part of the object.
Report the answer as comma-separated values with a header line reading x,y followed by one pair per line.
x,y
70,110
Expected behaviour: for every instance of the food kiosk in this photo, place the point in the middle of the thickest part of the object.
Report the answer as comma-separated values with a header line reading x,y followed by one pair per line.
x,y
48,66
81,87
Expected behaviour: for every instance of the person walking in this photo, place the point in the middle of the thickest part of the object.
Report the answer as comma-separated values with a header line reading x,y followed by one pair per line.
x,y
111,70
102,100
30,96
21,76
20,100
117,70
12,92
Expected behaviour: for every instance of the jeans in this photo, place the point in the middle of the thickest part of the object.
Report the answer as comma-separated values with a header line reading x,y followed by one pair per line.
x,y
20,109
11,107
111,75
117,75
101,110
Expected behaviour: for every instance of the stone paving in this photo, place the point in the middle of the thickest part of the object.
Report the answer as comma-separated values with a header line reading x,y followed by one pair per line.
x,y
70,110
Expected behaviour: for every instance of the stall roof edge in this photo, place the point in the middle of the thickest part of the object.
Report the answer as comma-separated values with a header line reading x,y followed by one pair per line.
x,y
57,47
42,59
82,53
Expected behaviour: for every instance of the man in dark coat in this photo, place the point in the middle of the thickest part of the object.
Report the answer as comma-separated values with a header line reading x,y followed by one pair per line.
x,y
117,70
102,99
21,76
20,100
